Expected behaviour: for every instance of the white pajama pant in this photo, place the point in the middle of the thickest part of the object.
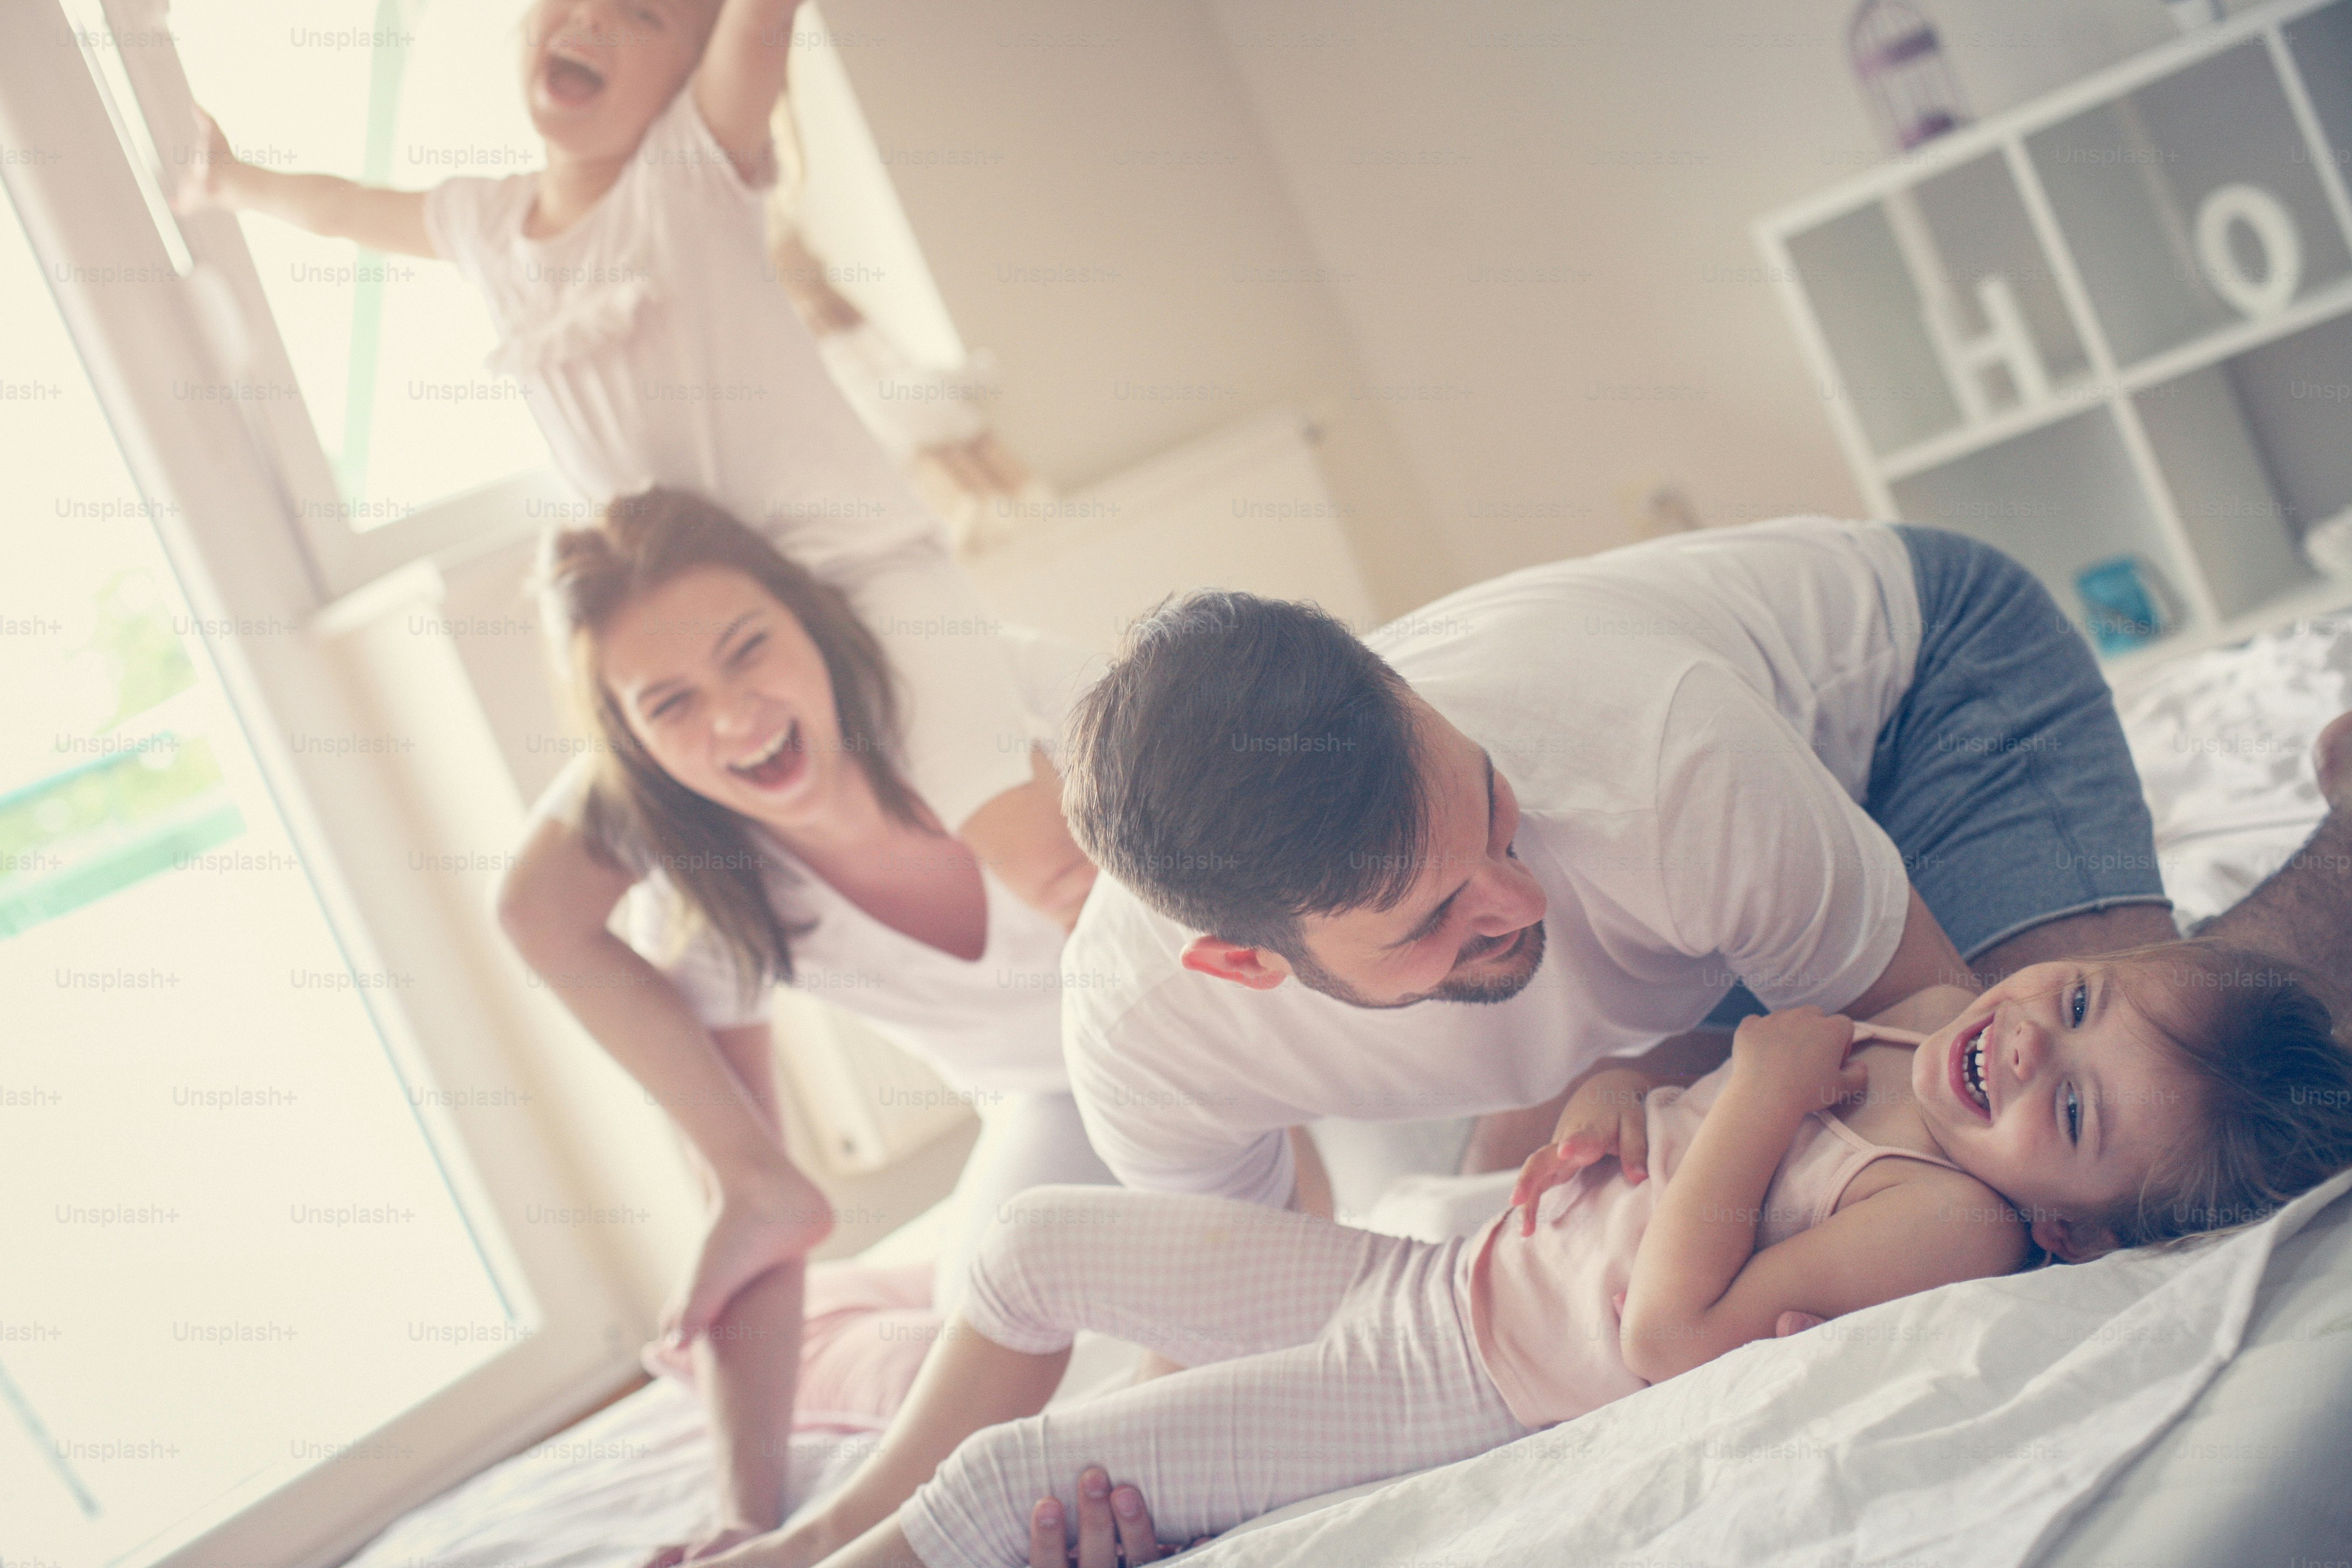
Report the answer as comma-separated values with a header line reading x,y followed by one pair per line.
x,y
1321,1357
1025,1140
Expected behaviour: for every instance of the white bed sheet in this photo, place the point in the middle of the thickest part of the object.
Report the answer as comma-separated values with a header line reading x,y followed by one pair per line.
x,y
2217,1438
2223,742
602,1494
634,1476
1974,1425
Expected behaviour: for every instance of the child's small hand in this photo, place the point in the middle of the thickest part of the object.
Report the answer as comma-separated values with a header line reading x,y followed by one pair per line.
x,y
1799,1056
210,163
1604,1117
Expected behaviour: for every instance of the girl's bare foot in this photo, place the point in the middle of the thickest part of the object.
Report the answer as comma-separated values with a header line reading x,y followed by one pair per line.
x,y
2333,753
755,1231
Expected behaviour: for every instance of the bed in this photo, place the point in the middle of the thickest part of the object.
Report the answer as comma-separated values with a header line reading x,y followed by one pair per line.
x,y
2191,1408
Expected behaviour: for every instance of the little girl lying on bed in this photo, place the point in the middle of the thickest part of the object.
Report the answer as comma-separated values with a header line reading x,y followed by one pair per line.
x,y
2076,1108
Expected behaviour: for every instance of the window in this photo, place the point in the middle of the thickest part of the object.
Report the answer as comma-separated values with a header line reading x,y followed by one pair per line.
x,y
233,1249
386,351
310,1266
266,1280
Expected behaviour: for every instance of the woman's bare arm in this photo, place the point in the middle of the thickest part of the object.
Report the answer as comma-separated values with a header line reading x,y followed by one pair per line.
x,y
554,904
743,1302
1022,836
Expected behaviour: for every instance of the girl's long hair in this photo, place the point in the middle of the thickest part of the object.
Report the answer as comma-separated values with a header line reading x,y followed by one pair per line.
x,y
710,853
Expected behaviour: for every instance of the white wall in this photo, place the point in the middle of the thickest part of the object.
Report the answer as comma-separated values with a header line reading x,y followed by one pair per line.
x,y
1606,160
1110,144
1529,292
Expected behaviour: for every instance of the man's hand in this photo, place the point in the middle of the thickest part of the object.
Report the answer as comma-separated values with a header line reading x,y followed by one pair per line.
x,y
1114,1526
1604,1117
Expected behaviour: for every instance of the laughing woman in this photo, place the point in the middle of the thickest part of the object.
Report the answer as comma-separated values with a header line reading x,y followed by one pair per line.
x,y
749,805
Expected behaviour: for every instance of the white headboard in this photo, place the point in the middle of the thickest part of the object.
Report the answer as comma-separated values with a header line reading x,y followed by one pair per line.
x,y
1244,508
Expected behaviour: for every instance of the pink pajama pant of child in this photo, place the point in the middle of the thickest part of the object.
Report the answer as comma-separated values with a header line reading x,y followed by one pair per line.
x,y
1321,1357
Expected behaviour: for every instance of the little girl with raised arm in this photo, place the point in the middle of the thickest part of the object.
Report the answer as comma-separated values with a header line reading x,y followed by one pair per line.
x,y
2076,1108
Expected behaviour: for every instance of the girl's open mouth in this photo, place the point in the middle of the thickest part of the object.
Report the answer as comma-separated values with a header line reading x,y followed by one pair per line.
x,y
778,765
1965,1067
571,82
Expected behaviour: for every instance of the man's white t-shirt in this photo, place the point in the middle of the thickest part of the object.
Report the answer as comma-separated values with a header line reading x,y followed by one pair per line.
x,y
1689,725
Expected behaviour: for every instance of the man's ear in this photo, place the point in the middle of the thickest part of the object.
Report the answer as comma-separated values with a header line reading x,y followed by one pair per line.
x,y
1255,967
2073,1241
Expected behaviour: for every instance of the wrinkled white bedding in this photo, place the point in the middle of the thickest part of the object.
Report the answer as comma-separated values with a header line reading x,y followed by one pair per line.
x,y
602,1494
1966,1426
2223,742
2187,1409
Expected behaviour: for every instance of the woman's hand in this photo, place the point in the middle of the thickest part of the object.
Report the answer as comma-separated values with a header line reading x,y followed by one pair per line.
x,y
1114,1526
752,1234
726,1538
1604,1117
1798,1059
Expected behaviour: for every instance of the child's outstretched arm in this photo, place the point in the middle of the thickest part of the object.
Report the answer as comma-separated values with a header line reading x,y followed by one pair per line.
x,y
324,204
1700,1286
740,77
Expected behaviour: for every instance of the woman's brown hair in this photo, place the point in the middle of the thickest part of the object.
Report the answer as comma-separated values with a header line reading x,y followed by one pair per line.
x,y
587,575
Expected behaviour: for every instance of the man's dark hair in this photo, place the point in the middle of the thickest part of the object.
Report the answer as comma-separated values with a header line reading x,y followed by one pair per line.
x,y
1247,762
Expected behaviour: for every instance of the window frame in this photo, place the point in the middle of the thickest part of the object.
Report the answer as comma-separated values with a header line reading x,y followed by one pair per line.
x,y
227,523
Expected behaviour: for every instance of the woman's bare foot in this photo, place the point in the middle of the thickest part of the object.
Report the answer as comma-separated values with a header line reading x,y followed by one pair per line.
x,y
716,1544
2333,755
755,1231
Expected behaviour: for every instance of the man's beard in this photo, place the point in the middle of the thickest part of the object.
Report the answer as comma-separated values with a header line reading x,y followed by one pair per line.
x,y
1456,987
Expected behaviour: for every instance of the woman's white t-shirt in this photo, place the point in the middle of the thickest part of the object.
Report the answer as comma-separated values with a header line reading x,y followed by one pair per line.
x,y
992,1024
656,346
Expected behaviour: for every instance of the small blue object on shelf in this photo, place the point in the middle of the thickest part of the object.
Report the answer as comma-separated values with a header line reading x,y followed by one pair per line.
x,y
2127,604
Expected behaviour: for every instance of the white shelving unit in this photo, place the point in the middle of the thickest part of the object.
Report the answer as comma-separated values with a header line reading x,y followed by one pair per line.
x,y
2113,322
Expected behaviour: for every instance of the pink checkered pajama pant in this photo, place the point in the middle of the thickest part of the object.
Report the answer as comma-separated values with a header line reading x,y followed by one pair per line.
x,y
1319,1357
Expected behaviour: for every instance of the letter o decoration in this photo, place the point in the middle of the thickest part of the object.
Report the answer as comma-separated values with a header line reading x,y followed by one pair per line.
x,y
2273,226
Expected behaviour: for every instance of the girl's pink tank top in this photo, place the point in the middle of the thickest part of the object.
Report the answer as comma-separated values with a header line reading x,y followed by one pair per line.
x,y
1542,1308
